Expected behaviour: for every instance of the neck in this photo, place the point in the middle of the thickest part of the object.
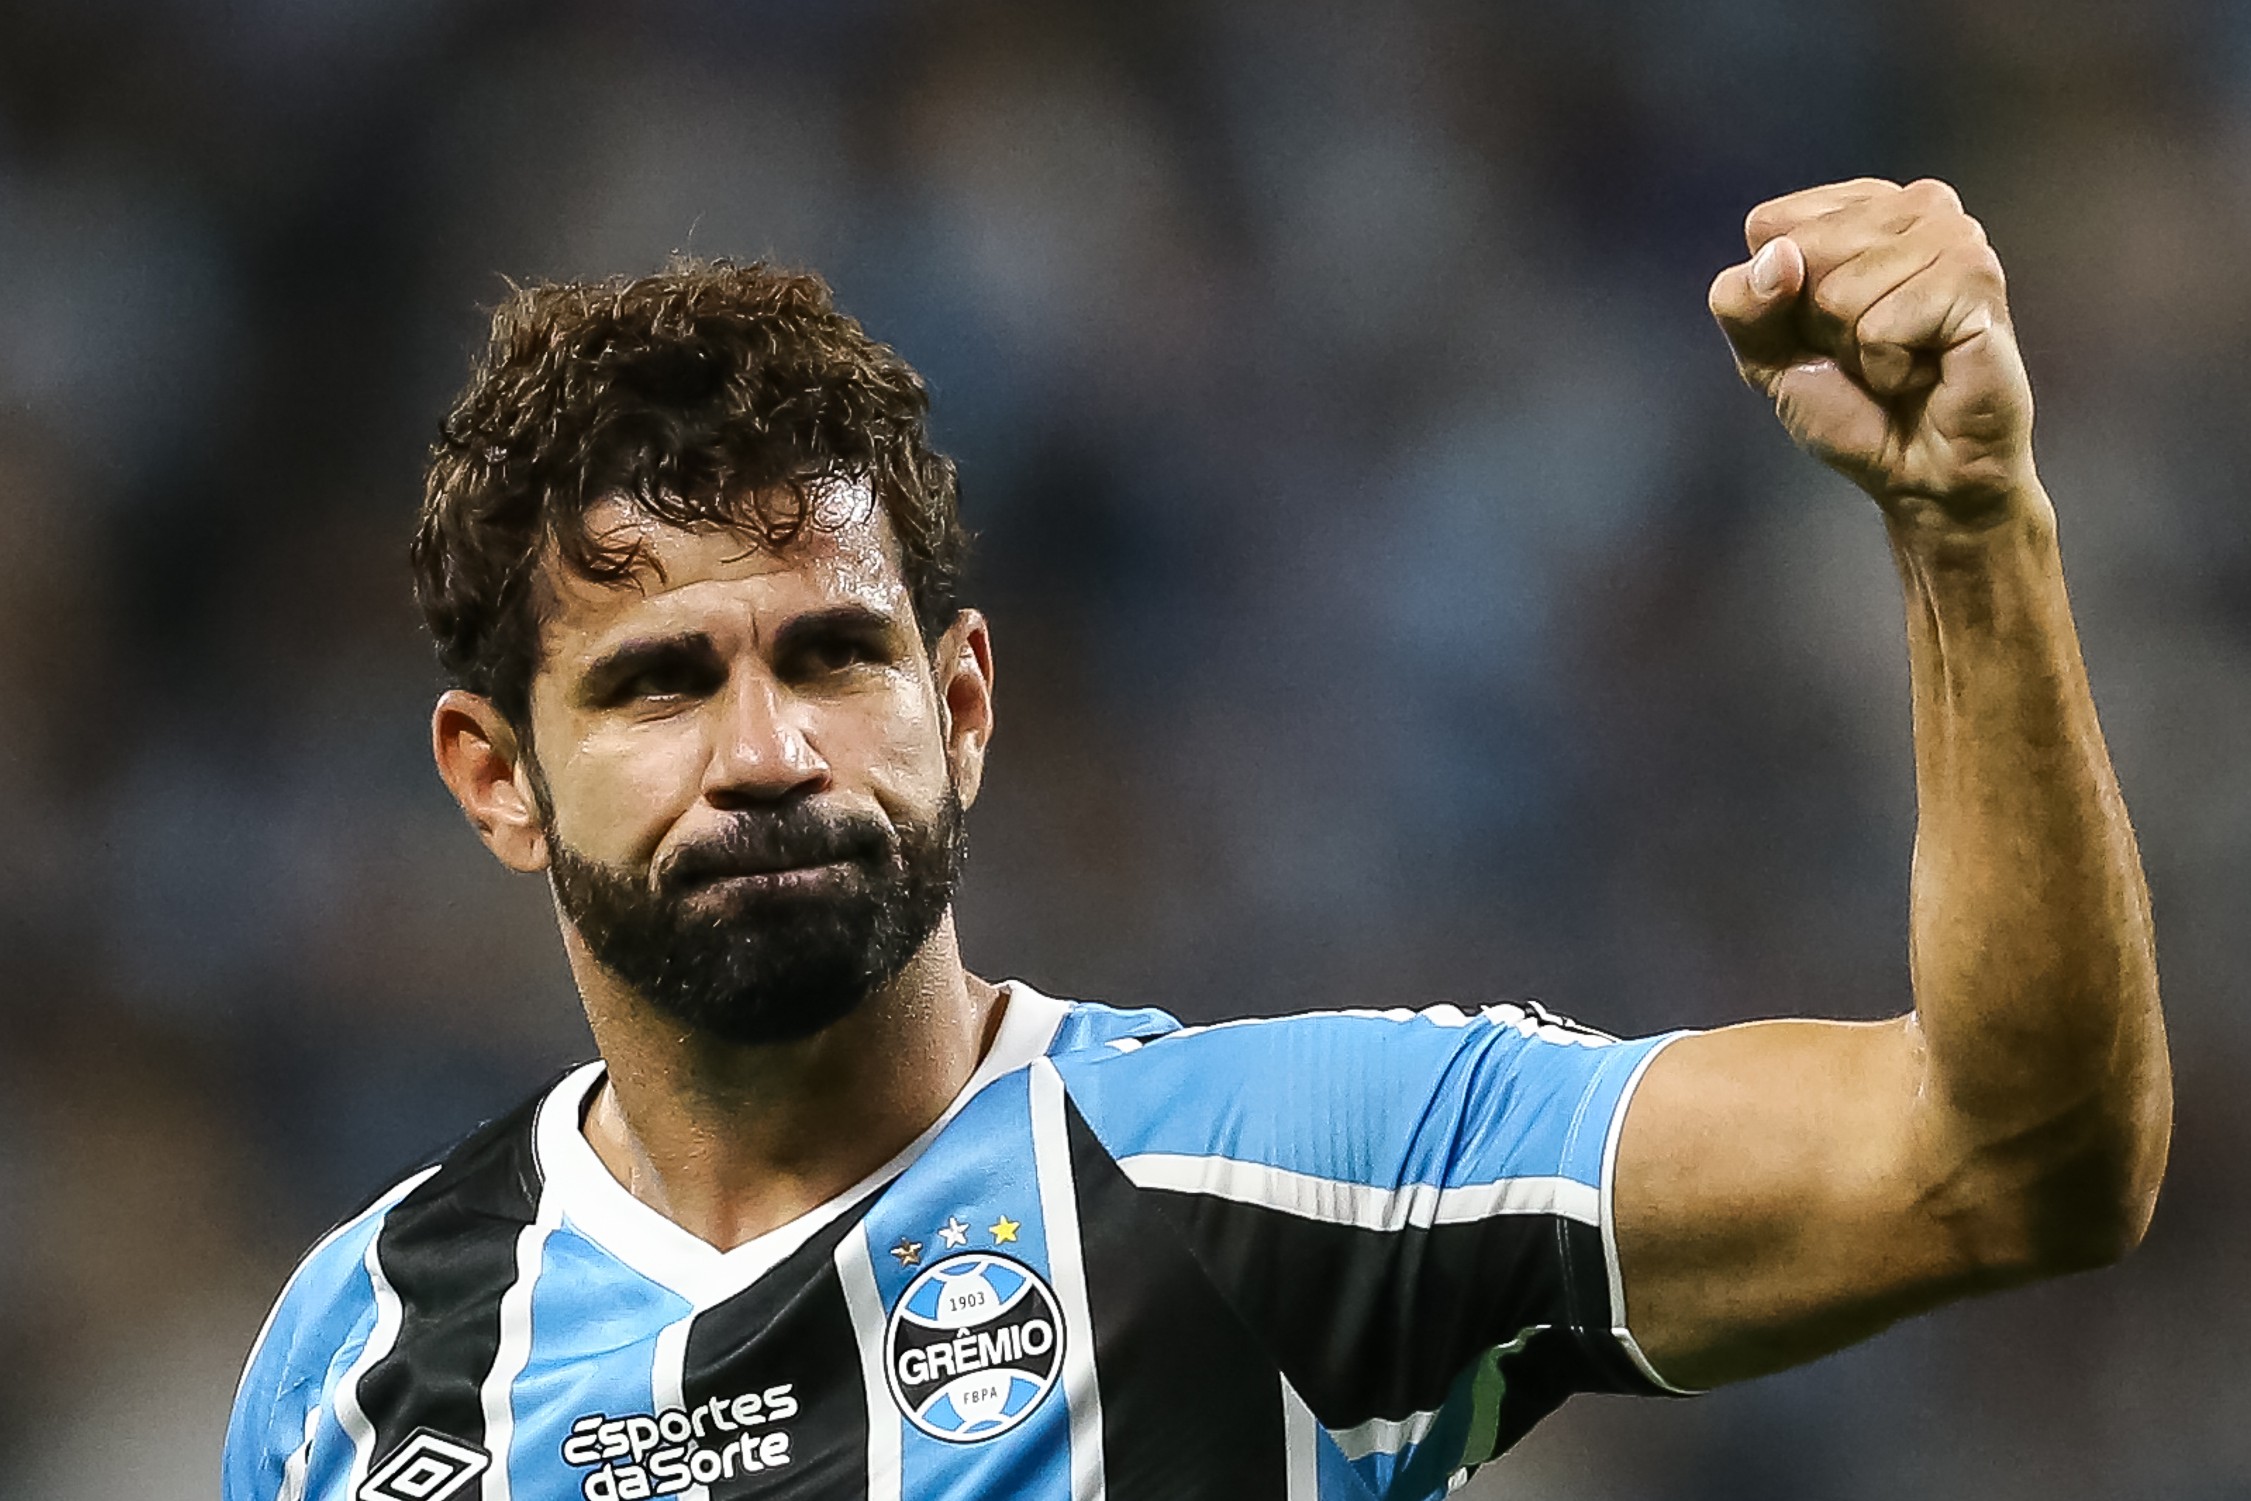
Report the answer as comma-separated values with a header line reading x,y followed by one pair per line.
x,y
729,1142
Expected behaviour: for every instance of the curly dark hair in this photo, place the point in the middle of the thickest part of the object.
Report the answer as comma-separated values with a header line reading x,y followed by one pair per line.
x,y
710,395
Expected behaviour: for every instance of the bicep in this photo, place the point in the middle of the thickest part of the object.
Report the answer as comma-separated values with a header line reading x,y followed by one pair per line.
x,y
1779,1194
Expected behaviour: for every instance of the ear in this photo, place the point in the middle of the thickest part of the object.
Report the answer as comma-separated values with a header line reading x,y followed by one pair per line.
x,y
486,770
963,667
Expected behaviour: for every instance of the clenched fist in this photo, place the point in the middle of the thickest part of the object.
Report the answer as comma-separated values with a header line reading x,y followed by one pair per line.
x,y
1875,317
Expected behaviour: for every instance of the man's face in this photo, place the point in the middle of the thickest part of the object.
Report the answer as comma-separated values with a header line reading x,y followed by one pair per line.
x,y
751,775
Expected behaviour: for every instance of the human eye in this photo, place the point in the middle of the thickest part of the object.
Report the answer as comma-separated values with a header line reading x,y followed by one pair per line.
x,y
658,679
834,653
840,652
672,680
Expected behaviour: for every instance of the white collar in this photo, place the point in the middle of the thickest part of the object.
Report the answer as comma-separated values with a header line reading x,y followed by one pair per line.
x,y
605,1211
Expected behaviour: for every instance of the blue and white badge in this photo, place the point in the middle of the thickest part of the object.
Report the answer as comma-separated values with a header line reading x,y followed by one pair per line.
x,y
973,1345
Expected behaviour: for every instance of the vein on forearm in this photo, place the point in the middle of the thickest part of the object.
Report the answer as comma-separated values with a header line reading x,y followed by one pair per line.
x,y
2035,982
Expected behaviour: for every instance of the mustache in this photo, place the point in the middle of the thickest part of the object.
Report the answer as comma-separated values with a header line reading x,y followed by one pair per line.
x,y
756,843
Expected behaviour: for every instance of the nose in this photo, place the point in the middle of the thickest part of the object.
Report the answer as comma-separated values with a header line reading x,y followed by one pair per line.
x,y
761,753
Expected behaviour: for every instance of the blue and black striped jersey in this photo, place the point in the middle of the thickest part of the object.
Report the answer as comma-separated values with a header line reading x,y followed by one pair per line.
x,y
1336,1255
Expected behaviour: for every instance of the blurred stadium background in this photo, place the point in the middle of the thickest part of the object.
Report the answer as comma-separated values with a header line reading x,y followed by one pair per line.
x,y
1397,599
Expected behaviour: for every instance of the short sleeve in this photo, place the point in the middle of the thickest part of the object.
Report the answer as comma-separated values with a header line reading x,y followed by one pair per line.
x,y
1412,1209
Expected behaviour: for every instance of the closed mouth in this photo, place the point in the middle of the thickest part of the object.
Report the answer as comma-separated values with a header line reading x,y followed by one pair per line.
x,y
766,878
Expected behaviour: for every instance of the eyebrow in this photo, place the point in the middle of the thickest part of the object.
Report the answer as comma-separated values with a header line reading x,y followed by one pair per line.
x,y
622,662
837,620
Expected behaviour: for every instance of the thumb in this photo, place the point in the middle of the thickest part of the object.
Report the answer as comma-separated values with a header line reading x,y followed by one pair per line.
x,y
1754,303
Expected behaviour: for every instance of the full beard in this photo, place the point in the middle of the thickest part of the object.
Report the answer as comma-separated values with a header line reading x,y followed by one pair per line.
x,y
774,966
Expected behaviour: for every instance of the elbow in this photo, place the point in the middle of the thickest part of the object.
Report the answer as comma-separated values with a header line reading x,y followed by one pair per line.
x,y
2069,1196
2051,1214
2105,1197
2088,1236
2052,1231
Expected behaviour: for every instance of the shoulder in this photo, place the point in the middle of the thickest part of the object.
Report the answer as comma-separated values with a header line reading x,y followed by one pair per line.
x,y
1395,1042
330,1303
331,1284
1398,1095
327,1310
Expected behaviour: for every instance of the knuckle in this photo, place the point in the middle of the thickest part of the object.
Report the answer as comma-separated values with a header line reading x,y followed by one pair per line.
x,y
1978,267
1833,299
1963,239
1885,324
1932,195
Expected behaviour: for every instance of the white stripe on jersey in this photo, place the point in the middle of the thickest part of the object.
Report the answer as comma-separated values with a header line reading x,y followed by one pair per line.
x,y
1364,1206
1301,1447
1066,1264
865,1304
498,1391
1618,1329
1385,1435
388,1313
668,1380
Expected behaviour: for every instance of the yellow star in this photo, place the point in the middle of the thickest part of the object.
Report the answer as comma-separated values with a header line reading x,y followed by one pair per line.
x,y
1003,1230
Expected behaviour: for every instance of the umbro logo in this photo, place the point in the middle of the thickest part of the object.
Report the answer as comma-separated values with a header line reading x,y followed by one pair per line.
x,y
427,1467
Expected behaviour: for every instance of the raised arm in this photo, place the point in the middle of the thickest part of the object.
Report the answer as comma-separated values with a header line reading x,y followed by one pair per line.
x,y
1787,1187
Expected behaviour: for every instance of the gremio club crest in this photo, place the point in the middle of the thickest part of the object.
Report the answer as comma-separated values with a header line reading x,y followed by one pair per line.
x,y
973,1346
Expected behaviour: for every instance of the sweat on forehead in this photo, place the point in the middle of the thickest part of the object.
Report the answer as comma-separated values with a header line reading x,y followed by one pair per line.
x,y
848,553
829,520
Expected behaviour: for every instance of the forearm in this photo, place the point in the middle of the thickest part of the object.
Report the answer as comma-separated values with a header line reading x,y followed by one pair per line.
x,y
2044,1065
1785,1187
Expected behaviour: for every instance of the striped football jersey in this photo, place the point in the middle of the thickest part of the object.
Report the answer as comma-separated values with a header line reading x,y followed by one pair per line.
x,y
1327,1256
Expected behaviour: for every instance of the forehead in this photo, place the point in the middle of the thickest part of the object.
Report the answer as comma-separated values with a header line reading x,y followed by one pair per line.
x,y
709,577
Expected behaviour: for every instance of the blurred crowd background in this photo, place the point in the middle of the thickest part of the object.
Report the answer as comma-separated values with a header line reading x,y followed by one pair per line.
x,y
1396,597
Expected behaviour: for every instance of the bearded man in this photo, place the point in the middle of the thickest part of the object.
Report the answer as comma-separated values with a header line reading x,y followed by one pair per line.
x,y
831,1217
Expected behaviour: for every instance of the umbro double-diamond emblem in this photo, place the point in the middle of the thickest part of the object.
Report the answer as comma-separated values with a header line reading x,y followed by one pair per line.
x,y
427,1467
